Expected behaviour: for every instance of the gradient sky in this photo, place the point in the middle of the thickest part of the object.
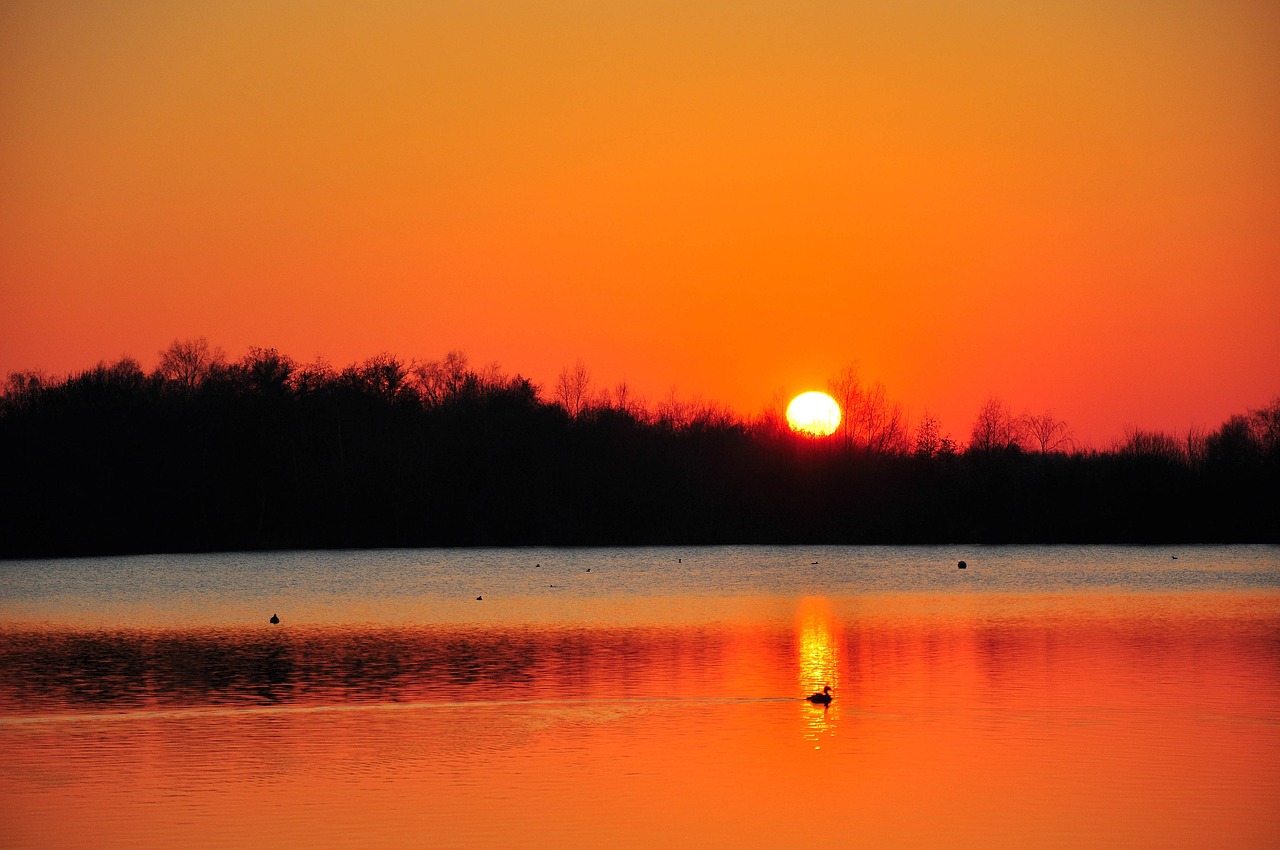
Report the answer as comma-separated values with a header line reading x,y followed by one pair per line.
x,y
1069,205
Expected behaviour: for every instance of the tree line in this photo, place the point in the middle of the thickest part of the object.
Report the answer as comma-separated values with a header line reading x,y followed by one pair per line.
x,y
208,453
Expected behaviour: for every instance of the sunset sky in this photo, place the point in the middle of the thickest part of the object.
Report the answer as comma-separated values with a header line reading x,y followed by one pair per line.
x,y
1068,205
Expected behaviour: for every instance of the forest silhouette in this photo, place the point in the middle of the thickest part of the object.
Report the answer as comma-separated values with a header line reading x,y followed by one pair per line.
x,y
204,454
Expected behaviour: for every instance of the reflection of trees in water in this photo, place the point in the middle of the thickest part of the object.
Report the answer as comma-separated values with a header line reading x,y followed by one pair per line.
x,y
57,671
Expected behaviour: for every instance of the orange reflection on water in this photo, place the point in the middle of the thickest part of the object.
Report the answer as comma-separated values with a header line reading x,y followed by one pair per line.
x,y
818,641
1078,720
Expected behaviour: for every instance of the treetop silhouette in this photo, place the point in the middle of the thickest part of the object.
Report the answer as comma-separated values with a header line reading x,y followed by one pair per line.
x,y
204,453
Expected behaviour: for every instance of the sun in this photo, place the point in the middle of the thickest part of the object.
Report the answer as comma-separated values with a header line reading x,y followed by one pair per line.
x,y
813,414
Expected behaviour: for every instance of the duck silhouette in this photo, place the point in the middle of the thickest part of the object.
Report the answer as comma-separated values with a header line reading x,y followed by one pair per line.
x,y
275,619
822,697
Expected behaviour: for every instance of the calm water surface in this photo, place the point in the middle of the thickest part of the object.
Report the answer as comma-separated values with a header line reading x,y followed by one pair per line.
x,y
1043,697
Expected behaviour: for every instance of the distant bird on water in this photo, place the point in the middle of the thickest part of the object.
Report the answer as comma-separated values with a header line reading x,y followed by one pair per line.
x,y
1174,557
822,697
275,619
962,565
814,564
479,598
588,569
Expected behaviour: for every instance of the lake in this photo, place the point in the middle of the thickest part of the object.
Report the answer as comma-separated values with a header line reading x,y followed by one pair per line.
x,y
1122,697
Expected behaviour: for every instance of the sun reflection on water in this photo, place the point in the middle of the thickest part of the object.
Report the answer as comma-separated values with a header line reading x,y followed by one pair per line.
x,y
818,648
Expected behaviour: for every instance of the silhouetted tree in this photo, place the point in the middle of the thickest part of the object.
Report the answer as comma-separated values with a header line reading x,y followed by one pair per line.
x,y
771,422
868,419
928,436
1265,425
573,388
1196,445
383,375
22,389
1234,444
120,379
995,429
627,402
314,377
883,422
1046,432
846,389
675,412
710,415
187,363
1151,446
265,371
444,379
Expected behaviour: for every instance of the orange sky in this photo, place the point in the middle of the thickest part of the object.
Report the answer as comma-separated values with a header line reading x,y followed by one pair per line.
x,y
1068,205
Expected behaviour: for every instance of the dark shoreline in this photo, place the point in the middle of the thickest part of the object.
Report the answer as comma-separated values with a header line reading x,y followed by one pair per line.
x,y
114,461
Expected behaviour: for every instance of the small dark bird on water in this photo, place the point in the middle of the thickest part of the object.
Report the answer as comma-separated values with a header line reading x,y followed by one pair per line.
x,y
813,564
275,619
1174,557
822,697
479,598
962,565
588,569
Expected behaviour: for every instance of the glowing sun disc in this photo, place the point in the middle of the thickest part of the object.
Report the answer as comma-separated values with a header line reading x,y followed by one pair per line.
x,y
813,414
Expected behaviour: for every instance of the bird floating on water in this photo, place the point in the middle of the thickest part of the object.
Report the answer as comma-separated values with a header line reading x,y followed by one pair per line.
x,y
479,598
962,565
275,619
822,697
